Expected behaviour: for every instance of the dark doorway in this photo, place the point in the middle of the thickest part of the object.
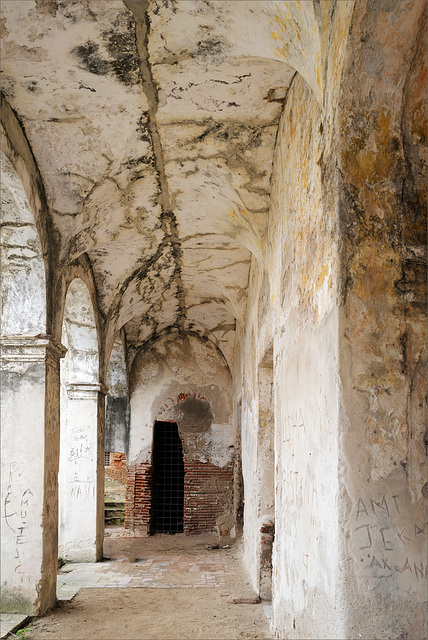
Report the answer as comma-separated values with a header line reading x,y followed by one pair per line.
x,y
168,479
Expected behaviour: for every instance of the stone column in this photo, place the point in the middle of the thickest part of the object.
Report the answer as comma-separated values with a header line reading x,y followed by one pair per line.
x,y
30,454
81,477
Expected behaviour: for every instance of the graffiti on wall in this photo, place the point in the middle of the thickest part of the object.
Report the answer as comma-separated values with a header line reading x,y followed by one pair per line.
x,y
386,541
17,505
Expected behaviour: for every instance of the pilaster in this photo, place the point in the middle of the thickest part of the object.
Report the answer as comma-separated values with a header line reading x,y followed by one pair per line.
x,y
29,366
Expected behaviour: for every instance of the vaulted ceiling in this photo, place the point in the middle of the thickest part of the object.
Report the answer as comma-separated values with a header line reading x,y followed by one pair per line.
x,y
153,126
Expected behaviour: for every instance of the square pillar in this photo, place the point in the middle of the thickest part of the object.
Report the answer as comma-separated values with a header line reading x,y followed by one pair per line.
x,y
29,469
81,476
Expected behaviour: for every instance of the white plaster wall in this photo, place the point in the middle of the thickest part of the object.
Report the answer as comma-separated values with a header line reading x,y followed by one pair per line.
x,y
306,540
251,491
23,315
22,482
116,378
163,375
21,260
292,298
78,492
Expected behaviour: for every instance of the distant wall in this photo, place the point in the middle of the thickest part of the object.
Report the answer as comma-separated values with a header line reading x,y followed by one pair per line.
x,y
183,379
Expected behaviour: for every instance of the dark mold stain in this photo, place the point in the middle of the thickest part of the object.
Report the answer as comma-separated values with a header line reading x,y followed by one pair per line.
x,y
47,6
122,47
121,57
148,160
197,415
144,129
208,48
90,58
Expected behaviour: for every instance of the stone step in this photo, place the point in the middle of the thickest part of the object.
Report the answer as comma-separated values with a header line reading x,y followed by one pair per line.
x,y
114,520
114,513
110,504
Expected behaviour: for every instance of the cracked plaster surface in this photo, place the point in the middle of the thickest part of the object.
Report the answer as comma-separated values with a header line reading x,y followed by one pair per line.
x,y
153,126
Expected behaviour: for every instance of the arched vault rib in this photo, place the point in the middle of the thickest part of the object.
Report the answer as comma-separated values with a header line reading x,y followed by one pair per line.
x,y
168,113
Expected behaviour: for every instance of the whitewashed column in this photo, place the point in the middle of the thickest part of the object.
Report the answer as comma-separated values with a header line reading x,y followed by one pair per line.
x,y
29,471
82,473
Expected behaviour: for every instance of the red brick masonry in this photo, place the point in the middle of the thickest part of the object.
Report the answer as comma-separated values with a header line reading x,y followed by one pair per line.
x,y
117,468
207,496
139,497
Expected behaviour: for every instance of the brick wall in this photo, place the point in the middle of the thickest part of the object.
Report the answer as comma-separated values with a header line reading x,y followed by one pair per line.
x,y
208,495
138,498
117,467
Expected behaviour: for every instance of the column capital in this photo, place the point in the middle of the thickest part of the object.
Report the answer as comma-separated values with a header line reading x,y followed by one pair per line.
x,y
30,348
86,389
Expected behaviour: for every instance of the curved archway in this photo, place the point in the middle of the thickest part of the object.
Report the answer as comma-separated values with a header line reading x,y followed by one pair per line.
x,y
182,379
117,434
23,282
81,475
29,368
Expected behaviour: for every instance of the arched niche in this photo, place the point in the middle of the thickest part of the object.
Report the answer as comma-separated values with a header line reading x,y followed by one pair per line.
x,y
164,374
183,379
82,444
79,335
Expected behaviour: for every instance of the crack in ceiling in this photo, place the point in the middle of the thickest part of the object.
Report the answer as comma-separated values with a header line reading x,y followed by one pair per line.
x,y
153,125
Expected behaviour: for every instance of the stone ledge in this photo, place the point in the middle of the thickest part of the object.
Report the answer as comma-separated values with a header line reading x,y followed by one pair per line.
x,y
11,622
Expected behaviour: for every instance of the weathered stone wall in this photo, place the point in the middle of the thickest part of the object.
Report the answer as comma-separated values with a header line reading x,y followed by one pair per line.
x,y
341,291
22,266
293,301
383,163
117,401
306,386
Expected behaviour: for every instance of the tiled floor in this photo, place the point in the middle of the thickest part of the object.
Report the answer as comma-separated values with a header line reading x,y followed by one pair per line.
x,y
214,568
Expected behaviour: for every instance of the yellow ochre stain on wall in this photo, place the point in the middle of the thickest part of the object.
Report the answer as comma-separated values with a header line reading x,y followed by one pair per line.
x,y
235,215
322,276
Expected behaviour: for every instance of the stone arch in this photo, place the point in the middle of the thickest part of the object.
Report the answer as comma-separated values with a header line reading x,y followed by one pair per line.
x,y
16,149
23,283
29,367
79,269
80,336
81,475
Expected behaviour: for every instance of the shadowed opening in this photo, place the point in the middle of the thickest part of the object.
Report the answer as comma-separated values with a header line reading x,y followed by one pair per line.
x,y
168,479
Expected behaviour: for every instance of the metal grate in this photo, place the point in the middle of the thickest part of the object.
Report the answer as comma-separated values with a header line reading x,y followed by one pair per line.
x,y
168,479
107,458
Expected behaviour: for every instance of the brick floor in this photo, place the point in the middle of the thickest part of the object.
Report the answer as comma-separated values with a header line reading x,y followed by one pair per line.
x,y
215,568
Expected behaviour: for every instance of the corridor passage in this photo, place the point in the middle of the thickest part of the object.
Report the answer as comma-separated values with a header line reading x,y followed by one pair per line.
x,y
164,586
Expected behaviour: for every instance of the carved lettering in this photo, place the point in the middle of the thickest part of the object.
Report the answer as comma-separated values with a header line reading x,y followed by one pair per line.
x,y
419,571
403,537
406,567
375,562
380,505
361,508
386,542
395,498
369,538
